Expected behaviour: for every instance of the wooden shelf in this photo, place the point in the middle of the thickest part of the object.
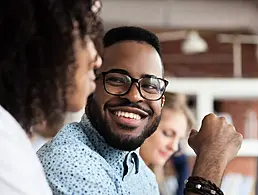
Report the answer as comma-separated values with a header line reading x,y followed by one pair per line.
x,y
226,88
207,90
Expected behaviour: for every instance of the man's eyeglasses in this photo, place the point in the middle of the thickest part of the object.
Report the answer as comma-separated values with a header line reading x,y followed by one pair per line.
x,y
117,83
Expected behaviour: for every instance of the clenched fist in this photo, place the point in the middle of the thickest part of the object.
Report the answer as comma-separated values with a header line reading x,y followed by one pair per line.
x,y
216,138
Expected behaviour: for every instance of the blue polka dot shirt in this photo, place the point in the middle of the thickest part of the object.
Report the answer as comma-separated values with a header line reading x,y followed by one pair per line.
x,y
78,161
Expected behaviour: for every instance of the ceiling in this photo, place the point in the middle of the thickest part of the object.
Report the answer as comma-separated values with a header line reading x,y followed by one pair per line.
x,y
182,14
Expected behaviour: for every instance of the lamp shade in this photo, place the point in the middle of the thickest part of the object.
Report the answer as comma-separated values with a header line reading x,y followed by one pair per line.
x,y
194,44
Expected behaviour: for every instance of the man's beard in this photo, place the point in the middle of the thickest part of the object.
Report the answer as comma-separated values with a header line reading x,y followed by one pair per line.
x,y
122,142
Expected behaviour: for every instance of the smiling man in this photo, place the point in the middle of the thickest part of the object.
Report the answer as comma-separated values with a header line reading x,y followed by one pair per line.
x,y
130,94
100,154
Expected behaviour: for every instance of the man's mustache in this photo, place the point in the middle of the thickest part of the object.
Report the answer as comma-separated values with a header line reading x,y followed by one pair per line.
x,y
128,103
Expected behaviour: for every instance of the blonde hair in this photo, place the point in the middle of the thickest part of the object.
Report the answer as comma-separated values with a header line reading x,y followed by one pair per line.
x,y
178,103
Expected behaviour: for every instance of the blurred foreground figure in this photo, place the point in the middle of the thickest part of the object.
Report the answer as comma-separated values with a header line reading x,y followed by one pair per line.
x,y
47,62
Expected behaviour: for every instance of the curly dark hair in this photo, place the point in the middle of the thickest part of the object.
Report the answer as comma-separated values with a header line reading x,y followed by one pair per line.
x,y
37,62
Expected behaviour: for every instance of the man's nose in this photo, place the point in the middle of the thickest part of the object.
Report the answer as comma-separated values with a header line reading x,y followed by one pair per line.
x,y
134,94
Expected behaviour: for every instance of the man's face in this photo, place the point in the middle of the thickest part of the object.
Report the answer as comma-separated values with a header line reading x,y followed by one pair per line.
x,y
126,121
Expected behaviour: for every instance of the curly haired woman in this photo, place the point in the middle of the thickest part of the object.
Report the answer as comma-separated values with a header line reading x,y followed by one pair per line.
x,y
47,62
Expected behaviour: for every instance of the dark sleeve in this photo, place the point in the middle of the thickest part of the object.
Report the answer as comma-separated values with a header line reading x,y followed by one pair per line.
x,y
182,169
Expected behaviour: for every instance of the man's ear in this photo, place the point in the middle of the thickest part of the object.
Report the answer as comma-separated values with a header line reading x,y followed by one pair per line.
x,y
162,101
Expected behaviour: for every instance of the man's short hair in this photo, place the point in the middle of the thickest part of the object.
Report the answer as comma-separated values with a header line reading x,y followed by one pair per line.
x,y
131,33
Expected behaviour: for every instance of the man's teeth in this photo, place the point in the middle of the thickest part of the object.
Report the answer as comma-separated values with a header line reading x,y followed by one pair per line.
x,y
128,115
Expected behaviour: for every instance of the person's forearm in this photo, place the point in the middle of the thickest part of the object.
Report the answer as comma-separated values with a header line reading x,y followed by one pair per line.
x,y
209,167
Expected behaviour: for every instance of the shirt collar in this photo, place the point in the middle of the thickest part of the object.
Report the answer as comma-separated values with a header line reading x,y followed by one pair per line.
x,y
113,156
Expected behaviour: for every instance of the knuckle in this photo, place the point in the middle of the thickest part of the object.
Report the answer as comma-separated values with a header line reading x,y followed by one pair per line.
x,y
232,127
222,119
209,116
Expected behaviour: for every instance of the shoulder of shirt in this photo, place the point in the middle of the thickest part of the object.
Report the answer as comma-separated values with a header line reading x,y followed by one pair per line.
x,y
68,147
73,158
71,136
68,154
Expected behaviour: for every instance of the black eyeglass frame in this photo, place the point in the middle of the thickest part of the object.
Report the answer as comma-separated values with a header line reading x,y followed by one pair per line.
x,y
133,80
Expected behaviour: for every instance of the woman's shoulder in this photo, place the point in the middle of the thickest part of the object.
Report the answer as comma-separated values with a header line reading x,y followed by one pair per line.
x,y
10,129
20,169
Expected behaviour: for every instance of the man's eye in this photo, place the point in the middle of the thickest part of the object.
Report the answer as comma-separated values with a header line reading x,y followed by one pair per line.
x,y
149,86
115,81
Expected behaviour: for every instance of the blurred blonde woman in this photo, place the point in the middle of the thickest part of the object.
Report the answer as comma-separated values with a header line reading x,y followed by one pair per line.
x,y
177,120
